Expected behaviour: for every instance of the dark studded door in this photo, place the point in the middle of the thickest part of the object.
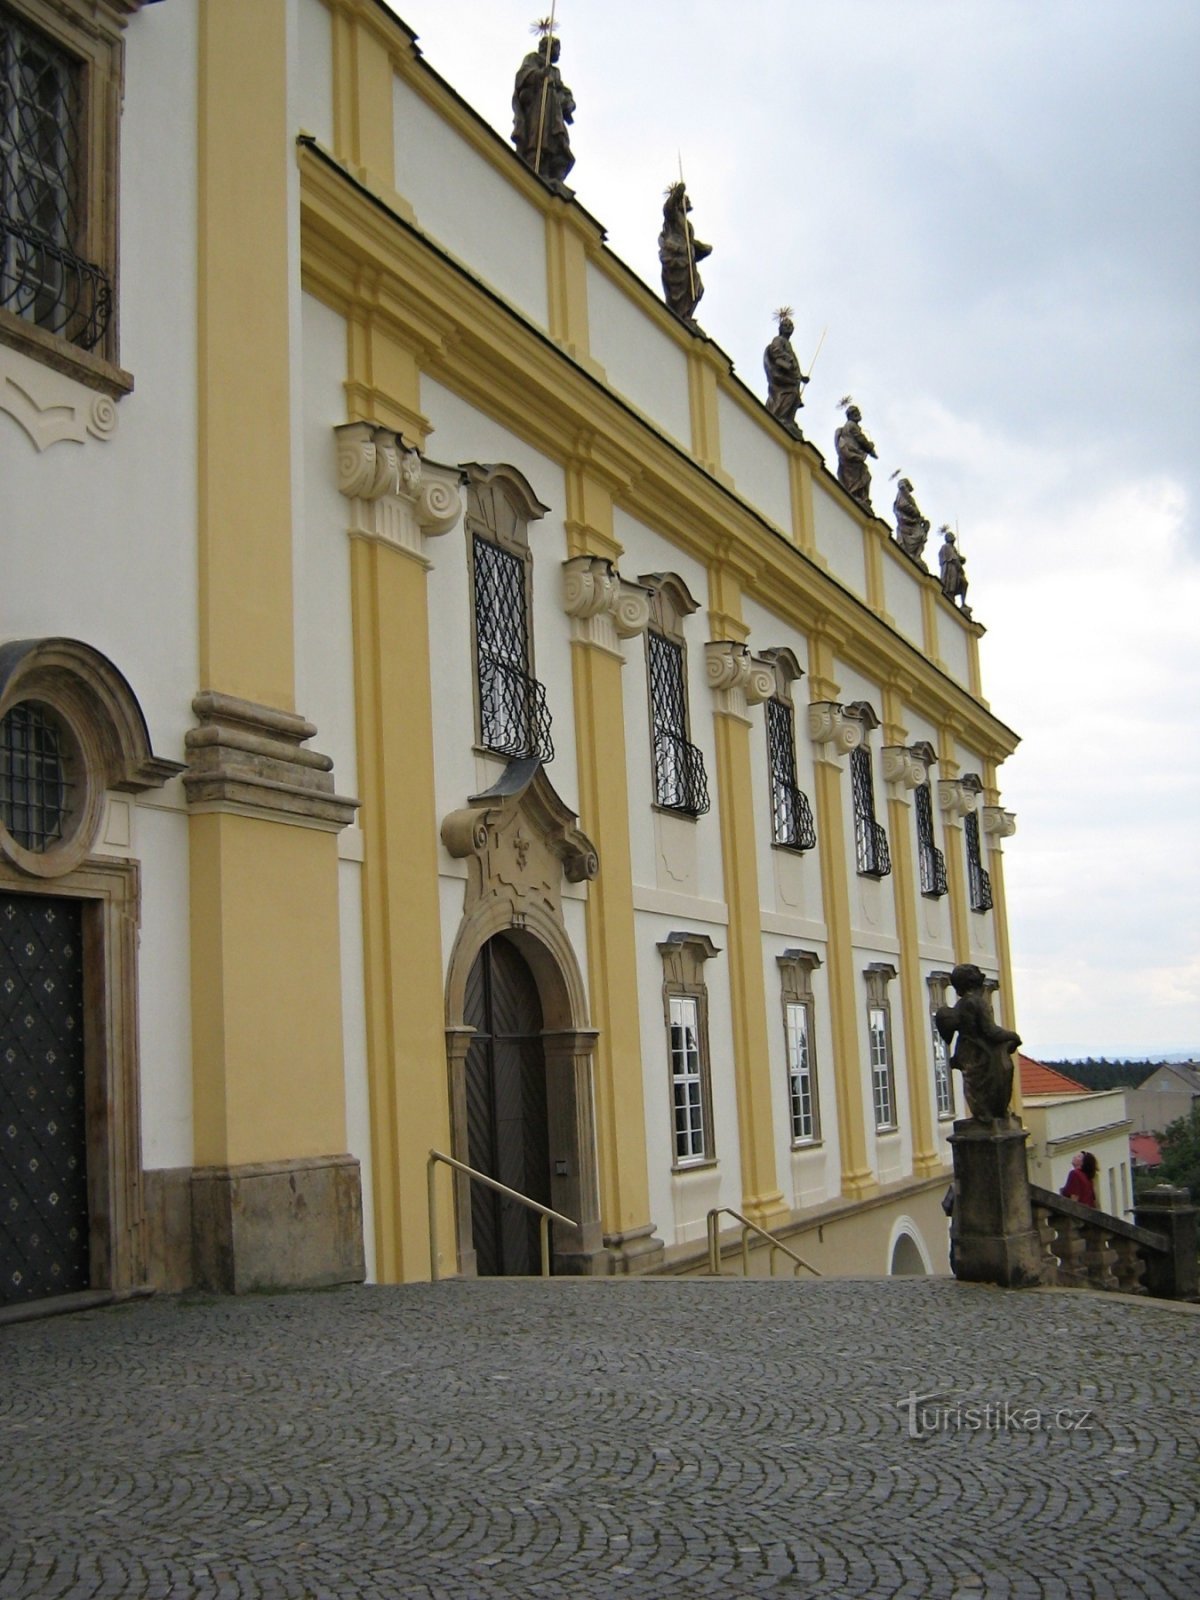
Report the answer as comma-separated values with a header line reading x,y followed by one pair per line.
x,y
507,1128
43,1135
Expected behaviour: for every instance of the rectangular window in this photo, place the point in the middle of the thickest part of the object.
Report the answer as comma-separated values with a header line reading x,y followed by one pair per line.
x,y
881,1068
791,814
942,1083
933,862
979,881
687,1079
801,1084
680,782
874,859
51,228
514,719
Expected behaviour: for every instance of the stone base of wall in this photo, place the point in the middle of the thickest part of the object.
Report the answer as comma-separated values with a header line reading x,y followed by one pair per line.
x,y
277,1225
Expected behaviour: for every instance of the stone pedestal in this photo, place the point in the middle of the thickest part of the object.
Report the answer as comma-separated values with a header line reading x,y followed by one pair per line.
x,y
1169,1211
994,1239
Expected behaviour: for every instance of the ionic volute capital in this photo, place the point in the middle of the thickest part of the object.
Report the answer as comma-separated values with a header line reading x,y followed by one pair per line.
x,y
604,606
398,498
999,823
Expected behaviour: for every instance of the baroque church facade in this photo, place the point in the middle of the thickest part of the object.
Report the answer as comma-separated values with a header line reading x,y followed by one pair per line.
x,y
441,709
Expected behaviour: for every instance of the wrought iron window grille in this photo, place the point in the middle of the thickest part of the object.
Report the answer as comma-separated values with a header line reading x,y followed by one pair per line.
x,y
680,781
792,818
978,878
874,857
943,1086
514,718
35,778
932,862
44,277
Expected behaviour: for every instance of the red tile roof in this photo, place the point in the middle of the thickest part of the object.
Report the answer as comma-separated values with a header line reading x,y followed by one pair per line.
x,y
1144,1149
1037,1079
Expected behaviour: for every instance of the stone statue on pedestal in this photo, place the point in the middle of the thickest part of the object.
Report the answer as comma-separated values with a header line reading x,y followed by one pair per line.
x,y
912,529
678,251
953,565
853,447
983,1050
542,108
785,381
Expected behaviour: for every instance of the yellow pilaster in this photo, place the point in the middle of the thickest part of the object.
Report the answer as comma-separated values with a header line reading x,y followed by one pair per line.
x,y
858,1177
956,871
245,476
566,283
925,1155
991,795
762,1198
611,940
704,410
929,623
363,72
406,1042
268,1081
874,537
801,487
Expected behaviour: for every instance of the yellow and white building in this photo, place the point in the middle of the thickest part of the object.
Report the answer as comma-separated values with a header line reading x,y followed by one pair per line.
x,y
347,474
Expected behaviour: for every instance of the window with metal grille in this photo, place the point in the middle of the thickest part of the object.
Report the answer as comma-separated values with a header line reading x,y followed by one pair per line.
x,y
45,277
874,859
943,1087
933,862
881,1068
802,1090
687,1079
35,777
514,719
791,814
978,879
680,782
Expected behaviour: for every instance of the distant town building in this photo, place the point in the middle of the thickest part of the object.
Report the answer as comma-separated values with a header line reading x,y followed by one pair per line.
x,y
1064,1118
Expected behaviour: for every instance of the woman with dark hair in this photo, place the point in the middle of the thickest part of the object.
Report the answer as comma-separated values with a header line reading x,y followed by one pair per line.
x,y
1081,1181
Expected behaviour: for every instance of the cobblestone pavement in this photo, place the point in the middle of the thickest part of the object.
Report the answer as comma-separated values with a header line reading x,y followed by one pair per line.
x,y
648,1439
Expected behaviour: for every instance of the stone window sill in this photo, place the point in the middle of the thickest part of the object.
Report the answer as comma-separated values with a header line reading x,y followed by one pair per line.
x,y
82,365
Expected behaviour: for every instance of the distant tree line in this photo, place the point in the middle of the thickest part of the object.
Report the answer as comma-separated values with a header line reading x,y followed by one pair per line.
x,y
1105,1074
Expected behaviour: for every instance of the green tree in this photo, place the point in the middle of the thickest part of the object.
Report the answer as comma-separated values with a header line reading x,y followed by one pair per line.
x,y
1180,1146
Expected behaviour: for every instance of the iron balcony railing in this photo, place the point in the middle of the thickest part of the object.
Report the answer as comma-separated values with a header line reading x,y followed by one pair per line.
x,y
47,284
794,824
934,883
679,778
978,878
513,715
874,857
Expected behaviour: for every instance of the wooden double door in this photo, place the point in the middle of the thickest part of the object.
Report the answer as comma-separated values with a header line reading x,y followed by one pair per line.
x,y
507,1117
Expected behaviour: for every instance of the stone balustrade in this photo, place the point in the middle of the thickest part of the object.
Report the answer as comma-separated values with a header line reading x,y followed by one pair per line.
x,y
1087,1249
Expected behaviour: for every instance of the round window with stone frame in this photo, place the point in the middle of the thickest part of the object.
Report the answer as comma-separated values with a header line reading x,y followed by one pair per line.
x,y
49,807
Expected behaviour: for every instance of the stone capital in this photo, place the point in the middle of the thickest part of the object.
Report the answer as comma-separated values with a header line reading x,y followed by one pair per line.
x,y
999,823
738,679
907,766
396,497
604,608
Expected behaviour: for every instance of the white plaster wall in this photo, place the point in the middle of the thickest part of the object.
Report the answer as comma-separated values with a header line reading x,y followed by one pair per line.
x,y
642,362
354,1044
756,461
680,1200
952,646
671,855
902,597
466,205
324,637
160,842
839,539
465,435
314,75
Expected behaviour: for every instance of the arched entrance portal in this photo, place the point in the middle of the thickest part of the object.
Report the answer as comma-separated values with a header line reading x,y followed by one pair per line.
x,y
508,1134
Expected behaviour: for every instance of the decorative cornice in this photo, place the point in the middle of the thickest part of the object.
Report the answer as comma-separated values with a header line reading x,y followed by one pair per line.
x,y
51,407
396,497
604,607
908,765
737,679
998,822
249,757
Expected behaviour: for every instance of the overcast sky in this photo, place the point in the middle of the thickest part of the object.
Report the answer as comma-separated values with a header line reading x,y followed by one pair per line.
x,y
992,207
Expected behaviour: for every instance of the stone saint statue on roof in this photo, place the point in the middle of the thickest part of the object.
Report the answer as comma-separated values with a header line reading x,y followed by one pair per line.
x,y
953,568
543,106
853,447
679,250
785,381
912,529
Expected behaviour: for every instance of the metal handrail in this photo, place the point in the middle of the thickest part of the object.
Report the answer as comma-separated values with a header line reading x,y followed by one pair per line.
x,y
748,1227
545,1212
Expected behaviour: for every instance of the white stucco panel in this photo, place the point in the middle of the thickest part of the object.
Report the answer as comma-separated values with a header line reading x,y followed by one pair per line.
x,y
952,646
462,201
840,540
756,461
642,363
902,597
313,103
